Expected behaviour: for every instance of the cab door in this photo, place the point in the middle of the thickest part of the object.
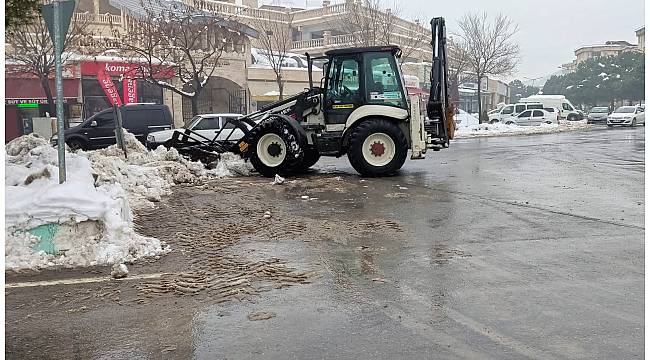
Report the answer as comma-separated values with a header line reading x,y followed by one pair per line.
x,y
101,130
523,119
537,117
343,89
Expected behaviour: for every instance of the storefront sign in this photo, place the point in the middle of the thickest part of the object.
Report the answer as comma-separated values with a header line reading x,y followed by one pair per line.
x,y
124,69
130,87
20,102
109,88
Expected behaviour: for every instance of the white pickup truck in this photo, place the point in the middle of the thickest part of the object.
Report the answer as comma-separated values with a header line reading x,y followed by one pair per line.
x,y
206,125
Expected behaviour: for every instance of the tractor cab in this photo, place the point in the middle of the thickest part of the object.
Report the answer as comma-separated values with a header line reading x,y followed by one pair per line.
x,y
361,76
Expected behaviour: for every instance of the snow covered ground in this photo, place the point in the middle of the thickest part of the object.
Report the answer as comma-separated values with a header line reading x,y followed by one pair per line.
x,y
500,129
88,219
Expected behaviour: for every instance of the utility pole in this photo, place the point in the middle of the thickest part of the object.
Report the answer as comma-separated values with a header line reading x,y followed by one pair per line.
x,y
57,16
60,124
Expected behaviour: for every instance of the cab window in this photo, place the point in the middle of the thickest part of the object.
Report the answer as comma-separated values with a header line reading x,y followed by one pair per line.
x,y
519,108
207,124
227,125
566,106
538,113
507,110
383,85
343,86
104,120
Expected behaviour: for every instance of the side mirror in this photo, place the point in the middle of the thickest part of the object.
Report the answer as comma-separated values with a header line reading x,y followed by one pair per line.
x,y
93,123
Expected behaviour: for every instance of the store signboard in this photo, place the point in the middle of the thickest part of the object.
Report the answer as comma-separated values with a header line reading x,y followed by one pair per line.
x,y
124,69
29,102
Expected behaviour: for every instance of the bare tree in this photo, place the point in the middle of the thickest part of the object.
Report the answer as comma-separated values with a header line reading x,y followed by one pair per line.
x,y
377,22
490,46
169,35
458,66
31,50
275,39
413,39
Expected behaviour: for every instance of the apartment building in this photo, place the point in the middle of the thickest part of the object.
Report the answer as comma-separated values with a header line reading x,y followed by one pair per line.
x,y
609,48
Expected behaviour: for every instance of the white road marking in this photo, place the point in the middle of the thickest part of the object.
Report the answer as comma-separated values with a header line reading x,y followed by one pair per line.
x,y
79,281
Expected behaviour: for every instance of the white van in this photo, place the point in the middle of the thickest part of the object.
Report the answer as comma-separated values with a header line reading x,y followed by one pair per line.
x,y
567,110
511,111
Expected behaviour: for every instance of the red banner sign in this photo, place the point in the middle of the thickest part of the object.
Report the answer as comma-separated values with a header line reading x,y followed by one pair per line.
x,y
122,68
130,87
109,88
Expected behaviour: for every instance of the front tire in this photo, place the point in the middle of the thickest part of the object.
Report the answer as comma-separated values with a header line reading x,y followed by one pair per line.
x,y
76,144
633,123
377,148
276,149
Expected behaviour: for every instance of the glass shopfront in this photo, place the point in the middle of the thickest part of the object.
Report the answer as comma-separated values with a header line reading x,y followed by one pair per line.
x,y
95,100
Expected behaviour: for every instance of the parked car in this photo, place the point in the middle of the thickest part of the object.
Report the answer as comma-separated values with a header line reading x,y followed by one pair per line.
x,y
464,119
206,125
598,114
567,110
555,112
511,111
98,131
532,118
627,116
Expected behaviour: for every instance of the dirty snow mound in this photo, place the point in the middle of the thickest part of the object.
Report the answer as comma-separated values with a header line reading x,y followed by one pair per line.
x,y
148,175
500,129
86,223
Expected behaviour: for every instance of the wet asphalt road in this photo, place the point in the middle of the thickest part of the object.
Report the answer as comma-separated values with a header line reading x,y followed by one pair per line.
x,y
511,248
517,247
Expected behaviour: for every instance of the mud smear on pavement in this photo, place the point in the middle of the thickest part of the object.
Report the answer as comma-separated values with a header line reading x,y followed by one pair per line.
x,y
202,224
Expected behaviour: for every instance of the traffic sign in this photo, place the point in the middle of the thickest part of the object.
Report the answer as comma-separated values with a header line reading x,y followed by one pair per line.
x,y
66,8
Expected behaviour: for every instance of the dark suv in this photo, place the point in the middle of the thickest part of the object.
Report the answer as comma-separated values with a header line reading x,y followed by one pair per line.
x,y
98,131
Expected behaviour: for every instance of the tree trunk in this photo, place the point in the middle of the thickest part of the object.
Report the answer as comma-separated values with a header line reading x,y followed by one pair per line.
x,y
45,83
480,107
195,104
278,79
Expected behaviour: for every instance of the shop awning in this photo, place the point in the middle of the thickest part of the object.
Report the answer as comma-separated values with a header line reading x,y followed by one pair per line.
x,y
18,88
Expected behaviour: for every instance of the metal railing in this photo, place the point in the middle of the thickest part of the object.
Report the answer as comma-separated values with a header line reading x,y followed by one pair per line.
x,y
237,10
98,18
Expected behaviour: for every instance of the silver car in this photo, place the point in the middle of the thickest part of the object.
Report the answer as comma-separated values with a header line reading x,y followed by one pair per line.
x,y
598,114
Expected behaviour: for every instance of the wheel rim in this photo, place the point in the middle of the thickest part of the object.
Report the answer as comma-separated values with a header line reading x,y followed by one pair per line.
x,y
271,150
378,149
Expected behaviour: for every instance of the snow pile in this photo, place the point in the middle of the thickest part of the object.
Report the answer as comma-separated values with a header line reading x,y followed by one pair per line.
x,y
91,224
500,129
146,175
89,216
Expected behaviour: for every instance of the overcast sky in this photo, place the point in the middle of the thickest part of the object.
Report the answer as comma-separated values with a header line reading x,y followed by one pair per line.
x,y
549,30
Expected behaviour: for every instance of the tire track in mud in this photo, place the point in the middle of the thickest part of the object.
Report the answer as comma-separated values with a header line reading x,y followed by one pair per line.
x,y
202,223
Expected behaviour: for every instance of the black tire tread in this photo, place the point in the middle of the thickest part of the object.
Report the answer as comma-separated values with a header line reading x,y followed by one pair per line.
x,y
295,151
358,136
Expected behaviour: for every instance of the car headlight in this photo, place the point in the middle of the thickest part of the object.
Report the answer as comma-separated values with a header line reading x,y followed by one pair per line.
x,y
150,138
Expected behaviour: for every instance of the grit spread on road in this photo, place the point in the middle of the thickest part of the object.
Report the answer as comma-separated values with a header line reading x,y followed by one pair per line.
x,y
505,248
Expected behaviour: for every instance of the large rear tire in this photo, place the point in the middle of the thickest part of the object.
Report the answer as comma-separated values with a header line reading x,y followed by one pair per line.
x,y
276,149
377,148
